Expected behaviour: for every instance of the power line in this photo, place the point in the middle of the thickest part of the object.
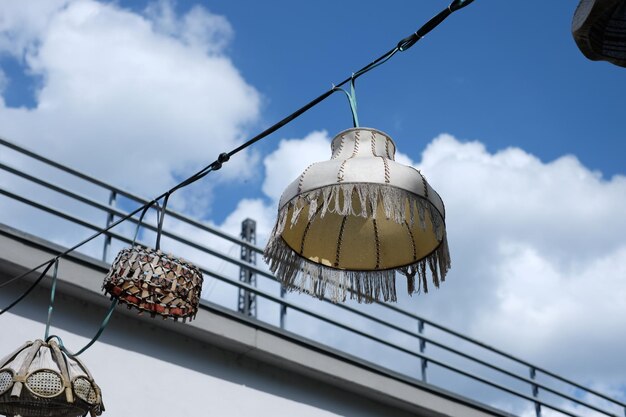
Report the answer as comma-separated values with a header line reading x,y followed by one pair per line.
x,y
402,46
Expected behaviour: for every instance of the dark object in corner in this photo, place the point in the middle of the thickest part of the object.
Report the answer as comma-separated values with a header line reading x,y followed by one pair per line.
x,y
599,29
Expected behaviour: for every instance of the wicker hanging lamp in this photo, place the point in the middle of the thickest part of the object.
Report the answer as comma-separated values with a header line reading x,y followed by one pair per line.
x,y
154,282
40,380
347,225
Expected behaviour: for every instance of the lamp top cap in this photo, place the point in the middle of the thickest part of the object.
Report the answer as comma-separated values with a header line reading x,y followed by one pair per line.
x,y
355,131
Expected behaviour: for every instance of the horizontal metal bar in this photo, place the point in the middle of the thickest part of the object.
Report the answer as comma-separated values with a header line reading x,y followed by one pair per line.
x,y
502,353
419,336
58,189
127,194
351,329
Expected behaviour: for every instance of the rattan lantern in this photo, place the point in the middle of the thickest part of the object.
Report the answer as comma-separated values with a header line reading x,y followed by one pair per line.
x,y
347,225
154,282
40,380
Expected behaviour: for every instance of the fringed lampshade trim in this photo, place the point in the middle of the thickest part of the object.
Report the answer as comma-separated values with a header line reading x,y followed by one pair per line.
x,y
299,274
338,199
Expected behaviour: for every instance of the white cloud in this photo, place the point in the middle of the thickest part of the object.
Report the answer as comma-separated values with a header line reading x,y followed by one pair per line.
x,y
538,255
22,23
292,157
538,252
4,81
129,98
198,28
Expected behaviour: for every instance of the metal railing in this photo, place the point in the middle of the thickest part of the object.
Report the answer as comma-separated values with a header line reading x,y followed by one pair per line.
x,y
483,365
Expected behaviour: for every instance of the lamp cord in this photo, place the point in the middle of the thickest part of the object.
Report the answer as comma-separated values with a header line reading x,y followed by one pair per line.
x,y
47,335
402,46
53,289
103,325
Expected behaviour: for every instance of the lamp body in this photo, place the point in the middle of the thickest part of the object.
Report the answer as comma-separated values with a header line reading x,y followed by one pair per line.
x,y
346,225
154,282
39,380
599,29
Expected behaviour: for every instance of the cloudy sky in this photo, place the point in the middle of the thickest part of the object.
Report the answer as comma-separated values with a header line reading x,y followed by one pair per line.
x,y
520,134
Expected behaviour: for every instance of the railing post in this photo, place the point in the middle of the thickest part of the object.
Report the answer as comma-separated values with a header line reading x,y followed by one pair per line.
x,y
107,237
535,388
283,308
424,363
247,300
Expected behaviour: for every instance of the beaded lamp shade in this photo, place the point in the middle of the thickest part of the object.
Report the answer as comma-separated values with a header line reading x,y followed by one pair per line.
x,y
40,380
346,225
599,29
154,282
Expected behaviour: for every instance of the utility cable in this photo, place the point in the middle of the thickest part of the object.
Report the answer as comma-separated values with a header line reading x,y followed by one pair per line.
x,y
402,46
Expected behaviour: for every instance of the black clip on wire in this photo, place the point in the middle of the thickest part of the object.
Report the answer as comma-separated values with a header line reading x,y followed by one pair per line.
x,y
409,41
224,157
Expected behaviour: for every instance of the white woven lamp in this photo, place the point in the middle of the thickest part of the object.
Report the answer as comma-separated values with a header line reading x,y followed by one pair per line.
x,y
40,380
346,225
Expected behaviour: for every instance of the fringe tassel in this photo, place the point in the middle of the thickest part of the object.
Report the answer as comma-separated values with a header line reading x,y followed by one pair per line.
x,y
438,263
298,274
395,203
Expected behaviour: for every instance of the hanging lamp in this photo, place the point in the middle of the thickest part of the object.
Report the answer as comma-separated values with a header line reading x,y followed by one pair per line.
x,y
152,281
40,380
346,226
599,29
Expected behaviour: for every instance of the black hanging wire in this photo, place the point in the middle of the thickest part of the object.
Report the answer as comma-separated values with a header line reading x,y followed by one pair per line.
x,y
32,286
402,46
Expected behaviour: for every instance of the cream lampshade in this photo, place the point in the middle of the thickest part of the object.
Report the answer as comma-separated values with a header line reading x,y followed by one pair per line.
x,y
346,225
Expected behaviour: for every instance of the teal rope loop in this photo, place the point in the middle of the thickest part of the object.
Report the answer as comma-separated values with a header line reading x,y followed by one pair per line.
x,y
48,337
143,213
352,94
351,99
53,289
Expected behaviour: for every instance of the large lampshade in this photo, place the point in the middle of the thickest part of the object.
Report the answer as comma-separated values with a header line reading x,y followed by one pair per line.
x,y
40,380
346,225
155,282
599,29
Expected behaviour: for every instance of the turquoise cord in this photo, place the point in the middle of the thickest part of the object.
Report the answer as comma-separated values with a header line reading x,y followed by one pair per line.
x,y
52,292
93,340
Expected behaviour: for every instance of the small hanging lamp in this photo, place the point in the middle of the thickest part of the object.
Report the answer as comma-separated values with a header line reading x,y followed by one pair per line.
x,y
155,282
40,380
347,225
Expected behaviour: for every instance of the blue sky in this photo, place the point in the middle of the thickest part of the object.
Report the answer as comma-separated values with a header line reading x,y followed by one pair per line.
x,y
519,132
504,73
